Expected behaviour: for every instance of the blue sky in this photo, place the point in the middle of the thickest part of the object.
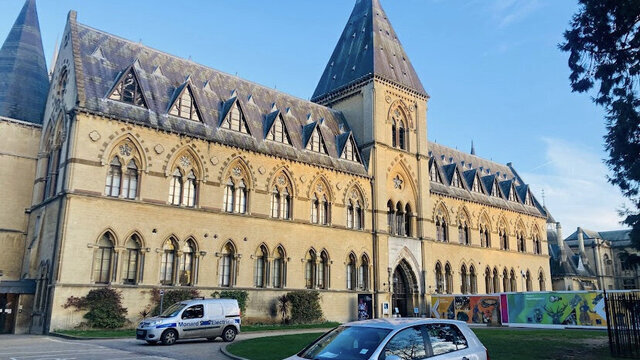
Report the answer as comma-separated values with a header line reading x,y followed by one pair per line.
x,y
492,69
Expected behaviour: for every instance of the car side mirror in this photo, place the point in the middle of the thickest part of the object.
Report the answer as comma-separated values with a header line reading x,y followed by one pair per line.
x,y
393,357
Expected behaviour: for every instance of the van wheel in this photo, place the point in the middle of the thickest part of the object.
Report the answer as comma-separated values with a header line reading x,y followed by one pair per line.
x,y
151,342
229,334
169,337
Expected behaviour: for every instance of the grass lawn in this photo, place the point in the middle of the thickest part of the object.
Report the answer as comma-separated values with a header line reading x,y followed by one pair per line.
x,y
503,344
245,328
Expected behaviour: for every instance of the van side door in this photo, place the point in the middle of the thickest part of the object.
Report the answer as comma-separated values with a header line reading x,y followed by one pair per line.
x,y
191,321
215,317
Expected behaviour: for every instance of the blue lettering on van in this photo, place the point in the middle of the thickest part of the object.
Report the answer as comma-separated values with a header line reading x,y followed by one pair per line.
x,y
166,326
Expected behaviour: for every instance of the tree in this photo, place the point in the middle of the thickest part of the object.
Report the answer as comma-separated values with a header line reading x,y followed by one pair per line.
x,y
604,50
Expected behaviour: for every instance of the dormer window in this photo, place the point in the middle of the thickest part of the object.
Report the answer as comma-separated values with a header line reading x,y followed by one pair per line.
x,y
495,191
349,152
512,194
278,132
236,120
476,185
434,174
185,106
316,142
456,181
128,90
528,200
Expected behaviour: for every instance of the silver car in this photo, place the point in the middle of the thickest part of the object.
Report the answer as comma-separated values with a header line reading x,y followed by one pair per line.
x,y
397,339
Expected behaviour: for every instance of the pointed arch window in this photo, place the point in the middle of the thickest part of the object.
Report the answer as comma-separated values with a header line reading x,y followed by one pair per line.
x,y
485,236
281,198
401,136
488,283
399,129
504,238
391,217
351,272
185,105
513,283
520,239
400,219
440,287
175,189
537,244
236,120
128,90
473,280
316,142
320,206
168,263
349,152
408,217
363,274
131,269
505,281
464,280
310,267
441,228
187,264
278,132
279,268
323,271
350,214
541,282
260,271
529,284
103,259
130,181
464,237
227,266
189,194
228,196
236,192
496,281
114,177
528,200
448,279
241,198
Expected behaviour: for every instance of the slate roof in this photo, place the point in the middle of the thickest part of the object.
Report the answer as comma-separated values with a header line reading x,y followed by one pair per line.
x,y
617,238
368,47
570,265
103,57
24,81
448,159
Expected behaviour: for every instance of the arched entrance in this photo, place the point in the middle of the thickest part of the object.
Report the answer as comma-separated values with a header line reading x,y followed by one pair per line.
x,y
404,288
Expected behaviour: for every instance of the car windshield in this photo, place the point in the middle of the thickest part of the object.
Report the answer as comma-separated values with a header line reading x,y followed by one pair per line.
x,y
346,343
173,310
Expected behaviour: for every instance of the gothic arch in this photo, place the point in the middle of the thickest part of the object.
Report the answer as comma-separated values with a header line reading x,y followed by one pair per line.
x,y
348,193
143,243
502,222
484,218
274,175
116,240
406,256
193,241
279,247
399,104
240,160
191,155
109,149
321,180
441,209
230,243
464,213
399,167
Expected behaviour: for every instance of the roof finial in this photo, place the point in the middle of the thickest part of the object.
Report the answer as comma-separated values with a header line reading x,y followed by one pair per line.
x,y
544,199
473,148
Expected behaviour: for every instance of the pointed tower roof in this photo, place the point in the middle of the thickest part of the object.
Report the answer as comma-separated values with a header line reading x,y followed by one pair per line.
x,y
368,47
24,81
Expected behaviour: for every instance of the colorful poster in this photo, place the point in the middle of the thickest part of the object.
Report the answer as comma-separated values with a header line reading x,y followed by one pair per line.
x,y
365,305
473,309
557,308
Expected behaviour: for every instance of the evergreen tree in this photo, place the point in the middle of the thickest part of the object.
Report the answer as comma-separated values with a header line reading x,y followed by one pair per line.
x,y
604,56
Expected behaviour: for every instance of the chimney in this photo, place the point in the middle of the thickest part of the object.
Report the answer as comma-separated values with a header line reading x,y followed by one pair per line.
x,y
563,255
581,242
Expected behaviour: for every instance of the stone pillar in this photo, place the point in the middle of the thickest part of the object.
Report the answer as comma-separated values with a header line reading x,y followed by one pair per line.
x,y
563,254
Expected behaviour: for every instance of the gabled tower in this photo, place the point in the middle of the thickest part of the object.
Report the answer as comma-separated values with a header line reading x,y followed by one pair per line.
x,y
24,82
371,80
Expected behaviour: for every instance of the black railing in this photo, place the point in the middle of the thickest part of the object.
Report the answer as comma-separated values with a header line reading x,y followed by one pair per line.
x,y
623,323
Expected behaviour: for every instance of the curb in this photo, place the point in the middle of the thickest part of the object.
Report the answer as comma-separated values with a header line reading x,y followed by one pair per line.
x,y
71,337
224,350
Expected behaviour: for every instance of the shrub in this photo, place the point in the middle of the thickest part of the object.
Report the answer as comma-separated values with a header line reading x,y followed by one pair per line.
x,y
103,306
283,304
240,295
171,297
305,306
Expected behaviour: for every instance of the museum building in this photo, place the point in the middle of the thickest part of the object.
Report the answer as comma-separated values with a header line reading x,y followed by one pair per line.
x,y
138,170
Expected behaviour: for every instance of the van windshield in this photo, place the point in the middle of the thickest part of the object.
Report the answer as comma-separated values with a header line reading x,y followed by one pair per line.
x,y
173,310
346,343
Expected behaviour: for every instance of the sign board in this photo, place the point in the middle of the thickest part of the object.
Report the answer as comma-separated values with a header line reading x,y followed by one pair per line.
x,y
385,308
365,306
416,311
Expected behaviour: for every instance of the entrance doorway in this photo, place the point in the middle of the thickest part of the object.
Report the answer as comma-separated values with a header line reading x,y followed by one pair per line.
x,y
8,304
404,287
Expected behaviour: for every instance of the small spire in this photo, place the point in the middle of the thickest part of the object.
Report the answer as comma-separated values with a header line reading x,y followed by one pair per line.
x,y
544,199
473,148
54,60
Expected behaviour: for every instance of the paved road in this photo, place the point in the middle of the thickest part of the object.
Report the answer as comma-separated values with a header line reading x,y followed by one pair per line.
x,y
31,347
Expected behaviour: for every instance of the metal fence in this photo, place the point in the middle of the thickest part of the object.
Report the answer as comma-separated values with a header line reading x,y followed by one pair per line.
x,y
623,324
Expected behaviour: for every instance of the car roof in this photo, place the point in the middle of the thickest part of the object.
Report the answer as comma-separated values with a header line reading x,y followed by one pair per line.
x,y
191,301
399,323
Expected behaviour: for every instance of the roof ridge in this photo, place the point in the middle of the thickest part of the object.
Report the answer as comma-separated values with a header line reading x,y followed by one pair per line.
x,y
208,67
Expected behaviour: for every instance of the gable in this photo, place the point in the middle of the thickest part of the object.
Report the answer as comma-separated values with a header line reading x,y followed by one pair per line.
x,y
349,149
315,141
184,104
277,131
127,89
234,118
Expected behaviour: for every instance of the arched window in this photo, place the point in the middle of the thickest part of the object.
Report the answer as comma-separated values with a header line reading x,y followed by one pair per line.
x,y
464,237
285,204
529,284
485,236
488,284
441,227
394,132
103,259
130,181
473,280
241,198
114,176
401,136
227,266
496,281
407,220
351,272
350,214
131,261
235,120
504,238
439,279
228,196
390,217
399,220
359,217
505,281
310,268
279,268
320,205
187,264
184,181
189,194
275,203
236,192
514,284
167,265
448,279
541,281
315,209
260,273
363,274
520,239
323,271
464,280
175,190
537,244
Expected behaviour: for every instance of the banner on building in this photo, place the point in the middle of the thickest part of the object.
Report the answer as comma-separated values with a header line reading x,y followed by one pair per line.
x,y
365,306
472,309
556,308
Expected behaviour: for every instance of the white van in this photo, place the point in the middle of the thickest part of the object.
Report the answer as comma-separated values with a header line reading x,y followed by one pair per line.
x,y
190,319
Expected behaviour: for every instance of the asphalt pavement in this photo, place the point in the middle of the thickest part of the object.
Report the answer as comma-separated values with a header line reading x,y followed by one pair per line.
x,y
32,347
